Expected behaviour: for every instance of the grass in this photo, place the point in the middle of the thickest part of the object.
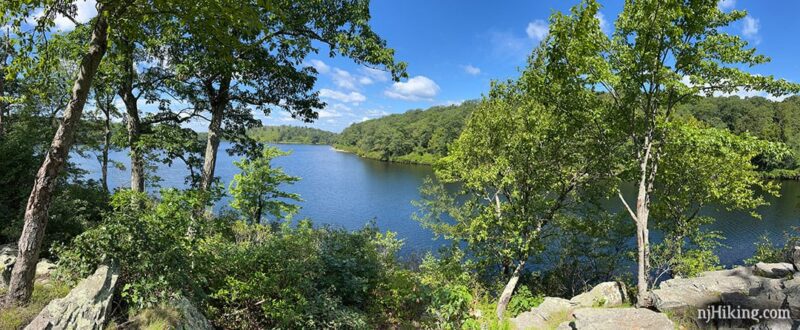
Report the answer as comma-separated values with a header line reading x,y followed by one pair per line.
x,y
156,318
19,317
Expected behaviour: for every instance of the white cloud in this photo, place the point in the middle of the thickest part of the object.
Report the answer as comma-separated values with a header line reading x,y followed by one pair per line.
x,y
375,74
365,80
537,30
726,4
751,26
742,93
603,23
320,66
344,79
415,89
352,97
86,11
326,113
473,70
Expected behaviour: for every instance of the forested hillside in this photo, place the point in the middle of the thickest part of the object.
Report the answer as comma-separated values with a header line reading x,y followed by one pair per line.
x,y
292,134
416,136
762,118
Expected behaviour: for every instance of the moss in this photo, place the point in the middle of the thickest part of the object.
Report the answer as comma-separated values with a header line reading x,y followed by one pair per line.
x,y
18,317
156,318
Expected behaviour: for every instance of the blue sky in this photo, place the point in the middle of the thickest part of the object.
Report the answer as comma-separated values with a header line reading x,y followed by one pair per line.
x,y
455,48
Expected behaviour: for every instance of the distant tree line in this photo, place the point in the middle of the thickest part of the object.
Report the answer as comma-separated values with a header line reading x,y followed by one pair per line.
x,y
417,136
292,134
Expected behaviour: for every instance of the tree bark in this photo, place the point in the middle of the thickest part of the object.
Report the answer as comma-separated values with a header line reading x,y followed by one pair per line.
x,y
219,100
505,297
36,212
642,234
106,146
134,125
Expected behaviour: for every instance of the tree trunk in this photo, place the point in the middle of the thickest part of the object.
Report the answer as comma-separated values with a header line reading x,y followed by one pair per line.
x,y
219,100
36,212
106,147
642,234
2,103
505,297
134,125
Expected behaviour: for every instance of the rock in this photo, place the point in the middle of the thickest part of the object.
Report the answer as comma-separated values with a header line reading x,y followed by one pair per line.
x,y
566,325
8,255
689,294
606,294
774,270
44,268
550,310
775,324
191,317
793,257
85,307
619,318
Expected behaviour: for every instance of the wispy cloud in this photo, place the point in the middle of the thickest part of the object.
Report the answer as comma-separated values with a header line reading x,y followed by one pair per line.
x,y
726,4
537,30
750,28
352,97
473,70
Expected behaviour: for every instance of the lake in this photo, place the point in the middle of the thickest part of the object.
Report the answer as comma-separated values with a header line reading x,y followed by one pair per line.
x,y
342,189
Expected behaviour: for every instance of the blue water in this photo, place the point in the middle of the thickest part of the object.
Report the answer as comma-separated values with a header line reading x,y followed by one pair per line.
x,y
345,190
337,188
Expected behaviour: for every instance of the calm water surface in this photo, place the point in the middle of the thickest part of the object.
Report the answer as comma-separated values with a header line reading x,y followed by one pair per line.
x,y
345,190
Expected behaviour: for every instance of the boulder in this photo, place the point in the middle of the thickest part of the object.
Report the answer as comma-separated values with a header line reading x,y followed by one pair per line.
x,y
619,318
793,257
774,270
549,310
688,294
8,255
85,307
606,294
44,268
191,318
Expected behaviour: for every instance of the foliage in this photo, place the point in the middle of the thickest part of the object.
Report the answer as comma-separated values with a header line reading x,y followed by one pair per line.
x,y
255,190
523,300
416,136
292,134
767,251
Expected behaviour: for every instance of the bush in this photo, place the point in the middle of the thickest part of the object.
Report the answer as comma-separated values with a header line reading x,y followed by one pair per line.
x,y
523,300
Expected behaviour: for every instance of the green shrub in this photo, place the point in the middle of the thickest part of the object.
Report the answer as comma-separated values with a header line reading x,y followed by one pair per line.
x,y
522,301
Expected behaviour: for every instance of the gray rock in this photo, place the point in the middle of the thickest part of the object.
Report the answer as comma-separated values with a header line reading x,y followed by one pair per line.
x,y
566,325
606,294
793,257
692,293
619,318
44,268
85,307
539,317
191,317
775,324
774,270
8,255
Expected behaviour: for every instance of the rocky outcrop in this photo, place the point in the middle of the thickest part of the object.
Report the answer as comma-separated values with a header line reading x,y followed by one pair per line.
x,y
85,307
687,294
619,318
774,270
549,311
606,294
793,257
8,255
191,318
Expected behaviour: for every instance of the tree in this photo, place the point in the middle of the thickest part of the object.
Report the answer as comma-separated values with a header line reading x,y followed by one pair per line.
x,y
259,67
256,189
702,166
523,161
661,54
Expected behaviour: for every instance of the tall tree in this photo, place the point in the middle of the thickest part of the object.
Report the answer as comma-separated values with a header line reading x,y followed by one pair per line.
x,y
30,241
523,161
661,54
260,66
